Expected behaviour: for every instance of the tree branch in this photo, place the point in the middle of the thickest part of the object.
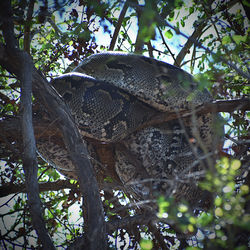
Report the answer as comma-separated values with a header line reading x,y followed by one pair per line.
x,y
164,42
6,190
11,61
214,107
118,26
160,20
191,40
95,234
26,39
29,155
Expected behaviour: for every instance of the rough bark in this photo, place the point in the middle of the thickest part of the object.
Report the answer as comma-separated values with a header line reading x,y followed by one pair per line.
x,y
29,155
11,59
213,107
190,42
118,26
6,190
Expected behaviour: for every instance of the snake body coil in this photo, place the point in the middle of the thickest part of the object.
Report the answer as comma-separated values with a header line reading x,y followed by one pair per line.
x,y
111,95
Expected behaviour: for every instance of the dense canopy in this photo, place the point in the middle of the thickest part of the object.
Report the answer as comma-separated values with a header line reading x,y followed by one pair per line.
x,y
41,40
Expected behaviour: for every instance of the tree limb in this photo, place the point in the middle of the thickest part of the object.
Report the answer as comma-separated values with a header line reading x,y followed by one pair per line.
x,y
214,107
95,233
191,40
26,39
29,154
6,190
118,26
95,230
160,20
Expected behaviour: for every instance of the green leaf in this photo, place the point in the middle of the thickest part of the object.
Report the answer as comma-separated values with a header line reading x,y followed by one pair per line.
x,y
183,208
238,39
146,244
226,40
182,23
163,205
218,201
218,212
244,189
241,248
191,10
205,219
235,164
246,3
169,34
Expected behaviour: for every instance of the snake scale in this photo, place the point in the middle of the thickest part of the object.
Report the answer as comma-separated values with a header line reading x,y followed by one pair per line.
x,y
110,96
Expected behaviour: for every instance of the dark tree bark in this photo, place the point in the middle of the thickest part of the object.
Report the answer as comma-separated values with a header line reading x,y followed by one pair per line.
x,y
29,153
213,107
6,190
190,42
118,26
11,58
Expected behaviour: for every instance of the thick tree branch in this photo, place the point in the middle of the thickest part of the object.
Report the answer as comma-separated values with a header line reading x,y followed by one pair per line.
x,y
214,107
95,234
6,190
29,155
140,219
95,230
11,131
7,24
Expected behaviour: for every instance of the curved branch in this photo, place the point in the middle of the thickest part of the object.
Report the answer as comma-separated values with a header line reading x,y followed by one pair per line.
x,y
95,233
95,230
29,154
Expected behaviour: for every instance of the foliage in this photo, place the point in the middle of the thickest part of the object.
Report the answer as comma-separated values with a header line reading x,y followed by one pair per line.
x,y
206,38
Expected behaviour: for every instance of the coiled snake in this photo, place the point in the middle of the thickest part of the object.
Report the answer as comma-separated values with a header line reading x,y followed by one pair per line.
x,y
110,96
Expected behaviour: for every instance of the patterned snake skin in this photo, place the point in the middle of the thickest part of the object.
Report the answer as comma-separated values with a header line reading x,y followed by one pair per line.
x,y
110,96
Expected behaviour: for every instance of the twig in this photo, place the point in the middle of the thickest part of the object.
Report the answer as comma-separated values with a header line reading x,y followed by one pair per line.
x,y
160,20
191,40
118,26
150,49
164,42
